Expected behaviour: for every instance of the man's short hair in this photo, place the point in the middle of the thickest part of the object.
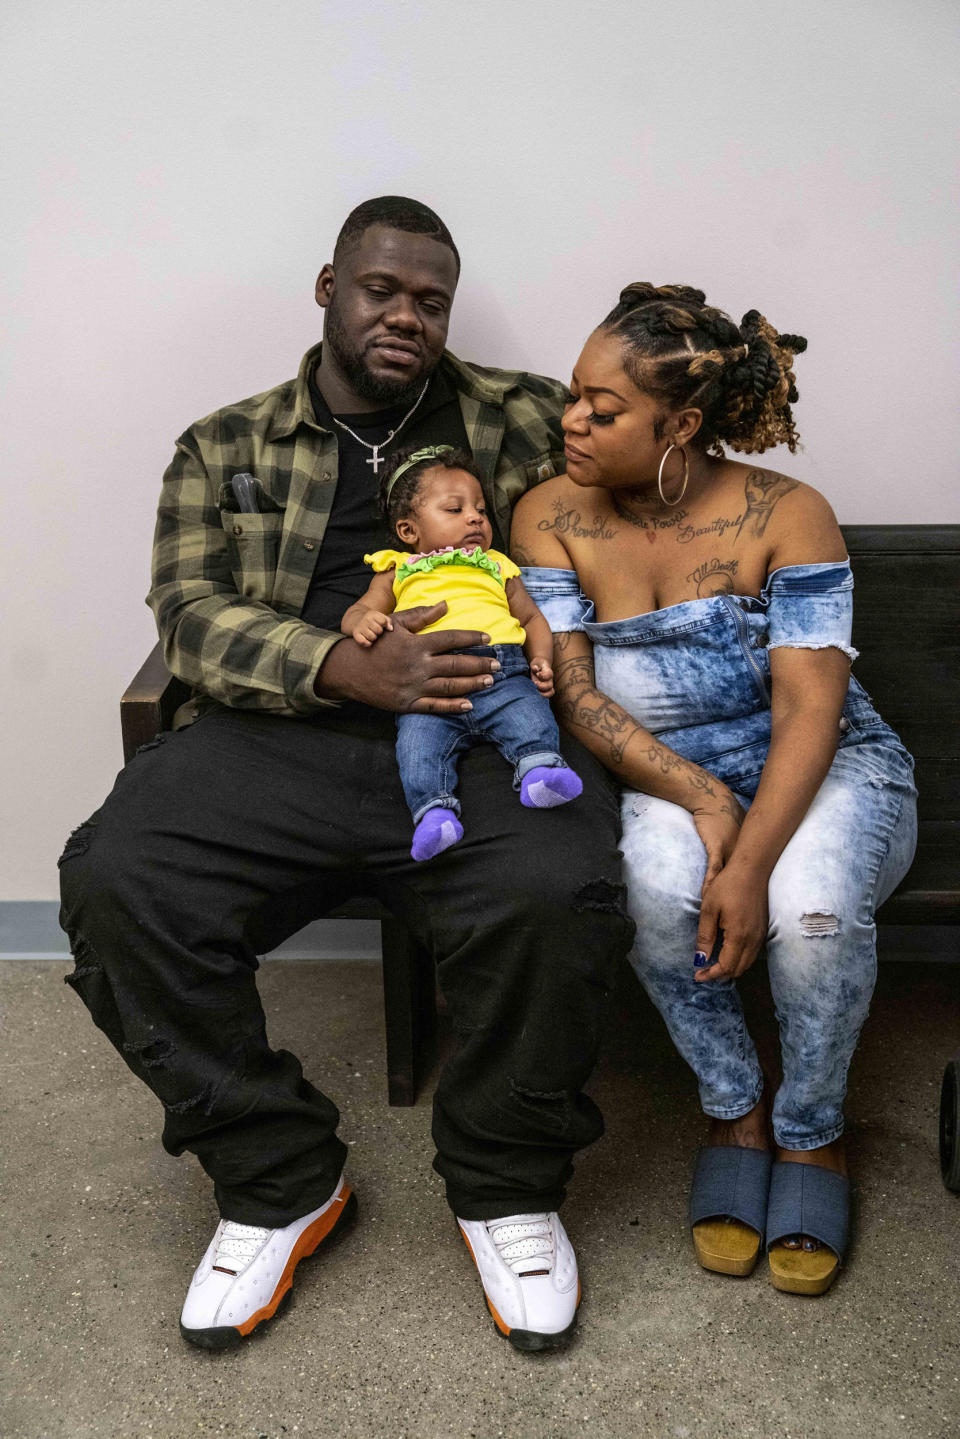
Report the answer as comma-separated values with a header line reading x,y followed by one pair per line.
x,y
397,212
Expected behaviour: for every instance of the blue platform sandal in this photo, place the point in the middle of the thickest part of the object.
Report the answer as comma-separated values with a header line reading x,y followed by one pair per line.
x,y
814,1202
728,1206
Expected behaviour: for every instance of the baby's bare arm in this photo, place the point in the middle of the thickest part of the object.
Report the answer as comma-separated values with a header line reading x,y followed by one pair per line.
x,y
368,617
538,645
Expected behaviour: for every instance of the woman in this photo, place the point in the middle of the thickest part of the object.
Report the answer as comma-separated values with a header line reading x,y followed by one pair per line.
x,y
702,610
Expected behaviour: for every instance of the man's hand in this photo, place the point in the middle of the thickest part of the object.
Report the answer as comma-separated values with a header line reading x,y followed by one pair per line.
x,y
541,672
370,627
408,672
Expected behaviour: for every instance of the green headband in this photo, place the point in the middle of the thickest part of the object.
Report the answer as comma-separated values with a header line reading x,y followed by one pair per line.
x,y
429,452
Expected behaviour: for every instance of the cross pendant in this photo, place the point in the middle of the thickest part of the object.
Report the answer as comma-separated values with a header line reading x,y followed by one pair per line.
x,y
375,460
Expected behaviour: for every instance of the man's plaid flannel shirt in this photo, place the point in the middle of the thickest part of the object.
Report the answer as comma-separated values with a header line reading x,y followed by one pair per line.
x,y
228,588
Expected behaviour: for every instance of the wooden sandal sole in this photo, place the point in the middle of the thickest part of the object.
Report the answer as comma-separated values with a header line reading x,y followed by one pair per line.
x,y
795,1271
726,1246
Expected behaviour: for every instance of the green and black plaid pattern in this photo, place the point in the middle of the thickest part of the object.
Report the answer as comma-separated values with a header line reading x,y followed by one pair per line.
x,y
229,587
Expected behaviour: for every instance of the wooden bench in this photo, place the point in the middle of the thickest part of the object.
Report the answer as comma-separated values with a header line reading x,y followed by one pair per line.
x,y
907,627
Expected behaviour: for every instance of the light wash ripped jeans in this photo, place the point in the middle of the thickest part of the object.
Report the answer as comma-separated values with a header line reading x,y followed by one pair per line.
x,y
697,675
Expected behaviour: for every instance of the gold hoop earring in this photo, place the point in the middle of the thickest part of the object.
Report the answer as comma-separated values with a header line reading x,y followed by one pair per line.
x,y
686,475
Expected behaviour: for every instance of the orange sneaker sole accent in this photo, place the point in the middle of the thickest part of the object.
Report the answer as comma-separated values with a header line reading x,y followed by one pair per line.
x,y
309,1240
498,1321
503,1327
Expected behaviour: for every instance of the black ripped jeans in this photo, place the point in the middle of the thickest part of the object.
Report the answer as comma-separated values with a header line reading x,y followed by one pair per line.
x,y
220,841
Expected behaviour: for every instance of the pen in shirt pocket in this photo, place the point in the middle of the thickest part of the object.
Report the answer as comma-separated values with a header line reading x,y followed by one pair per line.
x,y
244,488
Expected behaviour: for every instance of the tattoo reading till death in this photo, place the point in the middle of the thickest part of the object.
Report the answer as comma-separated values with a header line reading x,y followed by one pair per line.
x,y
714,577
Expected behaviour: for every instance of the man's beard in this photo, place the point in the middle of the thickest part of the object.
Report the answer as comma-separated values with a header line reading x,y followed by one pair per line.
x,y
380,388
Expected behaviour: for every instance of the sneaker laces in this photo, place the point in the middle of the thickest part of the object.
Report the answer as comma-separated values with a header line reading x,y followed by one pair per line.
x,y
525,1242
238,1245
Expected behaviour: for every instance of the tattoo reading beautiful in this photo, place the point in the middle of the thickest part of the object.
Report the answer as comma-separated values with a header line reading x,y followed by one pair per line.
x,y
718,527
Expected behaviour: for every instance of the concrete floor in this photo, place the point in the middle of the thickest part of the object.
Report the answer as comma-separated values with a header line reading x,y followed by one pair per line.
x,y
387,1335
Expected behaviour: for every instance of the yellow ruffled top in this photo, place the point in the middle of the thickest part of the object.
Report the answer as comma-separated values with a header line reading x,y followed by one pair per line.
x,y
471,581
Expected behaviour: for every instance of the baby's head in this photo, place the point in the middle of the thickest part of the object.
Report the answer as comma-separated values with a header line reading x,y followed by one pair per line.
x,y
432,499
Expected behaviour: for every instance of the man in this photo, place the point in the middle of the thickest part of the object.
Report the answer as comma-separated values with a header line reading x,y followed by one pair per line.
x,y
283,798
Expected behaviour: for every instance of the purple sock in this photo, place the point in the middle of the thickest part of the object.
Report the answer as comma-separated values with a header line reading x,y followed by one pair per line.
x,y
437,831
546,786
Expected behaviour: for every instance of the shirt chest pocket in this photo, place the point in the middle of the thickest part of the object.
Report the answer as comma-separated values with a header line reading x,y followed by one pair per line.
x,y
513,483
253,544
544,467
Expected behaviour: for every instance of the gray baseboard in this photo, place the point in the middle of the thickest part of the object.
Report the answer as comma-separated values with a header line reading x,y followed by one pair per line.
x,y
29,930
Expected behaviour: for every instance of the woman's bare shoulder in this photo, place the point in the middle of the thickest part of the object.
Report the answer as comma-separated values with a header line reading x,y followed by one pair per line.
x,y
795,519
534,539
542,498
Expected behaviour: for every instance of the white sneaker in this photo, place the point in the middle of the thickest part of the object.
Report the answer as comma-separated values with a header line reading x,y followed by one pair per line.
x,y
529,1274
247,1271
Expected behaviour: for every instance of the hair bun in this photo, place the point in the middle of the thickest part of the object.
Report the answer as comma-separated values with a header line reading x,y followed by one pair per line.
x,y
642,292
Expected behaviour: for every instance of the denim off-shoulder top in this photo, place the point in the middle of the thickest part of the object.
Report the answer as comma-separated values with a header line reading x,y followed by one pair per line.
x,y
697,674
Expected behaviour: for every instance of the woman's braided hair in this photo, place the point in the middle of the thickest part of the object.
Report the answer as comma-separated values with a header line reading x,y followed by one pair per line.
x,y
684,352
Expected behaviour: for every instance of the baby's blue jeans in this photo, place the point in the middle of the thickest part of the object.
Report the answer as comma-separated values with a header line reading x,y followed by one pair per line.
x,y
511,713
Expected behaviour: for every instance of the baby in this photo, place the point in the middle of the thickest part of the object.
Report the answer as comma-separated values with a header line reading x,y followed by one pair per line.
x,y
434,502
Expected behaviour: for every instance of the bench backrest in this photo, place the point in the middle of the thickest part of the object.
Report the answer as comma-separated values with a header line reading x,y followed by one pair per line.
x,y
906,624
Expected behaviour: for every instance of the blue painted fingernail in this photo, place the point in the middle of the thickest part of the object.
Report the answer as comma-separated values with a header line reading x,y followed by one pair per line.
x,y
699,959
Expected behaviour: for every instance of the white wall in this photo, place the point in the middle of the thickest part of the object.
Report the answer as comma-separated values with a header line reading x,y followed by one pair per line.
x,y
175,175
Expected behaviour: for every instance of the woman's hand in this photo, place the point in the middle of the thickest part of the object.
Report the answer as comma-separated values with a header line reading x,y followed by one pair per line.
x,y
735,902
718,820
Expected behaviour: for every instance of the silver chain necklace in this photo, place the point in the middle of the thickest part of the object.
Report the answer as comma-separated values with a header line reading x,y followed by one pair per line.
x,y
376,459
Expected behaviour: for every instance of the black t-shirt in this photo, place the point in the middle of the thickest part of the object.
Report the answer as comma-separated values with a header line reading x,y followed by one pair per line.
x,y
355,527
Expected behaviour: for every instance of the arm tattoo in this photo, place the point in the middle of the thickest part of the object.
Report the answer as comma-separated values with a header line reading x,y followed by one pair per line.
x,y
763,489
580,705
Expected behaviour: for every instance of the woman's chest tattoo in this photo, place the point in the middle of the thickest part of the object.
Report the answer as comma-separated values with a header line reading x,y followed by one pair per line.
x,y
567,520
714,576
